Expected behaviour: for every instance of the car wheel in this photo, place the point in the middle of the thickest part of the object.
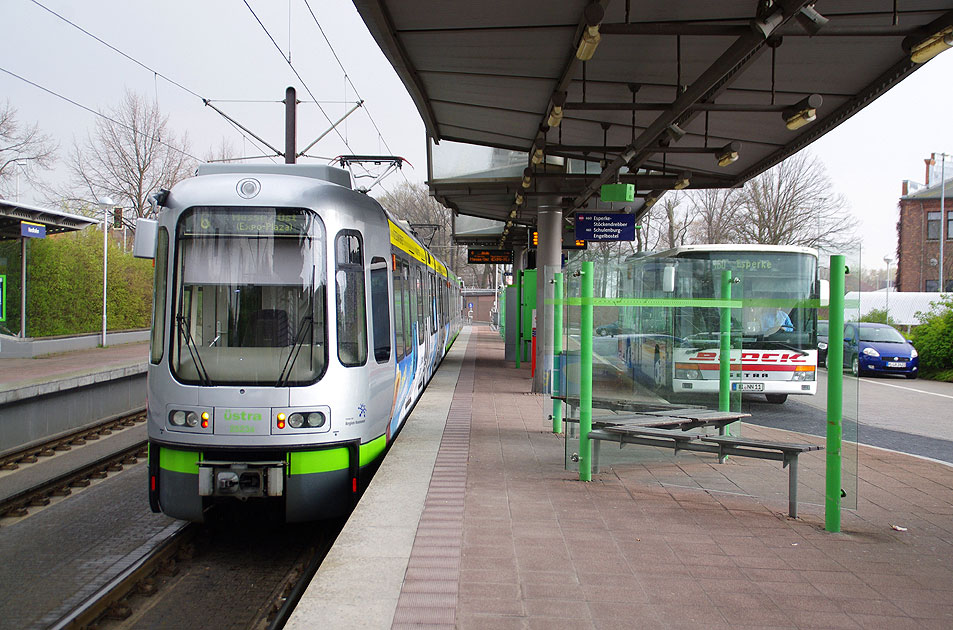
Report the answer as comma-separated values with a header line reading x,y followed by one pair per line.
x,y
855,366
776,399
911,375
601,332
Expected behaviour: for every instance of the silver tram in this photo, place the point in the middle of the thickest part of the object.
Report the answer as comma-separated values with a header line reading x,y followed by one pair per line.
x,y
295,324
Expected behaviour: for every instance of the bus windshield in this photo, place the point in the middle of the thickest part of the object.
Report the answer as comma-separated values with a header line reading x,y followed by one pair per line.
x,y
250,297
775,288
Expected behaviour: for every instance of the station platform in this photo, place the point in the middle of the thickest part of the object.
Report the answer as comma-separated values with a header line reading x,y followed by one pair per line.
x,y
41,372
472,522
52,395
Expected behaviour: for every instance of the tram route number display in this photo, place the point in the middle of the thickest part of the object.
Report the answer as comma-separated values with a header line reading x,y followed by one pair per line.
x,y
489,257
605,227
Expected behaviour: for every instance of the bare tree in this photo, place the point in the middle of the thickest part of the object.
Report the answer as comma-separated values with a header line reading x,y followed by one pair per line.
x,y
716,213
793,204
675,221
128,159
225,151
22,147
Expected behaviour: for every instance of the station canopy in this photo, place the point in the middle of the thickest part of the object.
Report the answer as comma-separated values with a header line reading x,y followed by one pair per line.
x,y
13,214
535,103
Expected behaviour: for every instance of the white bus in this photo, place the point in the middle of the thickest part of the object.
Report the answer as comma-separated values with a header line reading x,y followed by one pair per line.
x,y
673,344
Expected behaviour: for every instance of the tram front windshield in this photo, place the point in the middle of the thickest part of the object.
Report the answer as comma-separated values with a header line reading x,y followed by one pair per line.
x,y
250,297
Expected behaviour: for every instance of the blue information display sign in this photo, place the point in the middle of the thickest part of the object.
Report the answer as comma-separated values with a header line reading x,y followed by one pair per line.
x,y
32,230
605,227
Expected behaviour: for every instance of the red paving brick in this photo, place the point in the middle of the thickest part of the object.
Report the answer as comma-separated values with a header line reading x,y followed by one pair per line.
x,y
656,541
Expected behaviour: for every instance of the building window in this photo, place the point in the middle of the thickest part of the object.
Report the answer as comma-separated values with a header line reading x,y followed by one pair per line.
x,y
931,286
949,224
933,226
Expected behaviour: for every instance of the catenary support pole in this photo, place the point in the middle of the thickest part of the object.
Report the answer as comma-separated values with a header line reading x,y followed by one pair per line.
x,y
585,374
835,391
291,125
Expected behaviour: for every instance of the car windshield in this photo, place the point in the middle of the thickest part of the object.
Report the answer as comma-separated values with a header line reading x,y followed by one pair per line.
x,y
821,329
882,335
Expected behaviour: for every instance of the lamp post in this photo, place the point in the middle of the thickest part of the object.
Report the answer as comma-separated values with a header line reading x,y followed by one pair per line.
x,y
105,203
887,259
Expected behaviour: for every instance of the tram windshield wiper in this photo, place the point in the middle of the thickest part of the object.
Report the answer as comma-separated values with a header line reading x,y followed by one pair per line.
x,y
304,327
183,324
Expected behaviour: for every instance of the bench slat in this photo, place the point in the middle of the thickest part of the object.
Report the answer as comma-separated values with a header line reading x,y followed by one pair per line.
x,y
779,446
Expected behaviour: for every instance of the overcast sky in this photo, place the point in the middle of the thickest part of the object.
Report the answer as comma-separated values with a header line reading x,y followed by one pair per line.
x,y
217,49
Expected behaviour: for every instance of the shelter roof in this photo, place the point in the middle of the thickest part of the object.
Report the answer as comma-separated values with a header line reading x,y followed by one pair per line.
x,y
12,213
671,87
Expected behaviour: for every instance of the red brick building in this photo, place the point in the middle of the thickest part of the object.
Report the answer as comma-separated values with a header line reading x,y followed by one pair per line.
x,y
919,231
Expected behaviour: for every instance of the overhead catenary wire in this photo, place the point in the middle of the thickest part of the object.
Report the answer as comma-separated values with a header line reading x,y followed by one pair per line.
x,y
297,74
96,113
155,73
347,77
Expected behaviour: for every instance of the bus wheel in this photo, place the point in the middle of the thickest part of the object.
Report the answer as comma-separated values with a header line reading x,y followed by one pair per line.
x,y
777,399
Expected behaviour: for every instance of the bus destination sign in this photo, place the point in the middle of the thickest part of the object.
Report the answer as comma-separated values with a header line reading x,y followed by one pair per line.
x,y
489,257
605,227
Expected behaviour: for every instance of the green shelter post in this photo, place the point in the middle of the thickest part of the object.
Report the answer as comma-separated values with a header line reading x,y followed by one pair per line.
x,y
835,394
557,350
519,316
724,355
585,374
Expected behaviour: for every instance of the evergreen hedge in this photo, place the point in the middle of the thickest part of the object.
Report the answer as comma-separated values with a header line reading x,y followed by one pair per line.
x,y
65,285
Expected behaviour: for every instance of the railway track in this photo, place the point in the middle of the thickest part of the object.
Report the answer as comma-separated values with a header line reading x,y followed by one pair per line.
x,y
42,493
193,576
31,454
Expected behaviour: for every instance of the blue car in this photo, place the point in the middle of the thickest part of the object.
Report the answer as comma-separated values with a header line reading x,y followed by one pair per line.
x,y
878,349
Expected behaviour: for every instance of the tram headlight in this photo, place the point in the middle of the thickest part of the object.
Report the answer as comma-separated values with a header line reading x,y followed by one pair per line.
x,y
296,421
316,419
192,419
177,418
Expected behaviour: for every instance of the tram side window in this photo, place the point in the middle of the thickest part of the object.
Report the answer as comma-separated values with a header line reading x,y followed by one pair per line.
x,y
399,346
420,305
351,304
158,306
433,303
408,322
380,314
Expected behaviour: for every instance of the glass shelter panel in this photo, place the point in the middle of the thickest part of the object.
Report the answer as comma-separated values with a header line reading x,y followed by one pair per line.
x,y
712,342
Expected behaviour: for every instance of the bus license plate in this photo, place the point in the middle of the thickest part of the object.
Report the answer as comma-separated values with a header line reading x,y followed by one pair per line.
x,y
899,364
748,387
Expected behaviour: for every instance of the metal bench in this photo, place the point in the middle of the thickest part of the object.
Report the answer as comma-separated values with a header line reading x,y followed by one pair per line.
x,y
722,446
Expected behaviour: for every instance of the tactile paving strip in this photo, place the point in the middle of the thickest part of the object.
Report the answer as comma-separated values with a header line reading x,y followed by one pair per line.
x,y
428,596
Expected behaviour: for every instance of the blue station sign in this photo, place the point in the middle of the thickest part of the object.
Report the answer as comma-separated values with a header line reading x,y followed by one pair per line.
x,y
605,227
32,230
